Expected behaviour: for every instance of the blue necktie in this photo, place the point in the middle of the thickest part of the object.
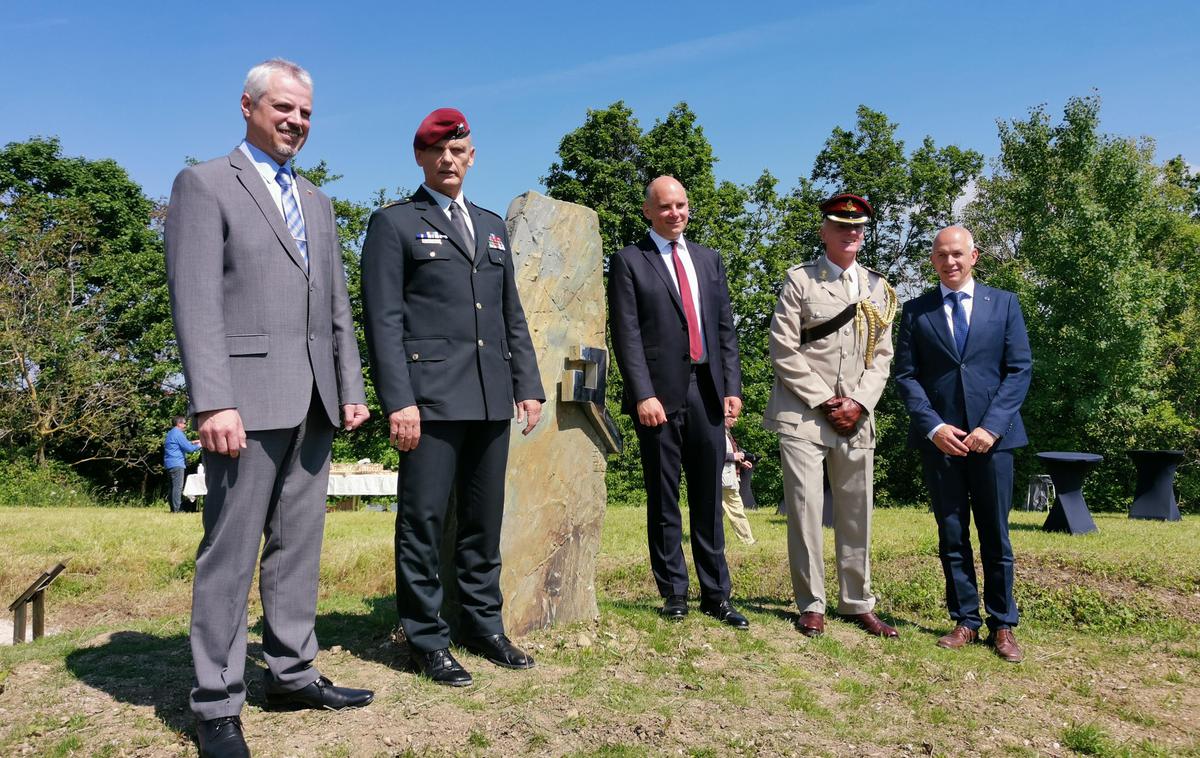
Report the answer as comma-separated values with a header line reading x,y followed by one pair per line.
x,y
958,317
291,212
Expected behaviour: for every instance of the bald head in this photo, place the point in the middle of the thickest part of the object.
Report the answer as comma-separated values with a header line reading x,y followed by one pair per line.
x,y
666,207
955,232
954,256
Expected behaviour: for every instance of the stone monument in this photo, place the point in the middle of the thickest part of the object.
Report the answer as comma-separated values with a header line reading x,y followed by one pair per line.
x,y
555,493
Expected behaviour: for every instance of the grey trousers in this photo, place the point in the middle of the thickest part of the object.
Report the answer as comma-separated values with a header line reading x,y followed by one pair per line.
x,y
175,498
851,479
273,491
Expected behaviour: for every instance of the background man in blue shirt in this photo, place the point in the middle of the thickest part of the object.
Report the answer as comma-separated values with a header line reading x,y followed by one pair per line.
x,y
176,447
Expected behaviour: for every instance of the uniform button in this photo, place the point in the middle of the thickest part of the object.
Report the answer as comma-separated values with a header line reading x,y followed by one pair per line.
x,y
416,356
432,253
478,306
474,271
481,343
312,336
962,365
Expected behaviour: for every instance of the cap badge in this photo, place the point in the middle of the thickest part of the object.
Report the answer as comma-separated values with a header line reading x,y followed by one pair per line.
x,y
849,206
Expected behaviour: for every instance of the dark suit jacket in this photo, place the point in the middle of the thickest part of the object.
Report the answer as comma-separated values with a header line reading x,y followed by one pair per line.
x,y
257,331
444,333
649,332
985,387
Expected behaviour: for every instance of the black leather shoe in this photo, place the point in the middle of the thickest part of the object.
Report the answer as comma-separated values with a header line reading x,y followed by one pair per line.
x,y
320,694
674,608
221,738
725,613
498,649
441,667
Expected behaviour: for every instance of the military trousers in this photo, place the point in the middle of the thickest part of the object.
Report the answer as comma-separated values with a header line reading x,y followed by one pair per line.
x,y
851,471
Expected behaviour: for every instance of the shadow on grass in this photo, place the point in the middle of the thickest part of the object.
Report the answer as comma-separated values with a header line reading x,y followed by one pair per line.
x,y
156,670
146,669
1016,526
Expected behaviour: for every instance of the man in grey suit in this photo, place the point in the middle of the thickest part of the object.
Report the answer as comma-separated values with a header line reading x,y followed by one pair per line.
x,y
258,294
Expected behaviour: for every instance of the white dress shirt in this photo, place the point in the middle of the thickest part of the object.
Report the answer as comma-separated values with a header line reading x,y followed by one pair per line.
x,y
267,168
948,311
444,201
664,249
968,303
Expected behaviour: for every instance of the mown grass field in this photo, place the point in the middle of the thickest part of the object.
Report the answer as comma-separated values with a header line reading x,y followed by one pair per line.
x,y
1113,653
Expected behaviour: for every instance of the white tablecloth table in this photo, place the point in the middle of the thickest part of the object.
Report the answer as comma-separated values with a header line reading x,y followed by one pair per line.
x,y
340,485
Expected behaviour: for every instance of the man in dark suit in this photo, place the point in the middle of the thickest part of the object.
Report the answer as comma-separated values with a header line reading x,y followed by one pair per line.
x,y
450,351
258,295
962,367
672,332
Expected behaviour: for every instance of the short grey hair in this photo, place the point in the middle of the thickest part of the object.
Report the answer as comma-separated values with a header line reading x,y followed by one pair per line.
x,y
259,77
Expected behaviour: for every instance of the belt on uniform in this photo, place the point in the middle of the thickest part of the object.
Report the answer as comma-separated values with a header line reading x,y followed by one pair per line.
x,y
830,326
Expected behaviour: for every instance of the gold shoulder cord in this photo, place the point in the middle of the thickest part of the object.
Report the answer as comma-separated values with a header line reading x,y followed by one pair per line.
x,y
869,321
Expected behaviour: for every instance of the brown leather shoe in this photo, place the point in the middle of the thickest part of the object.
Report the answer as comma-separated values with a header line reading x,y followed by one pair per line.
x,y
959,638
872,624
1005,644
811,624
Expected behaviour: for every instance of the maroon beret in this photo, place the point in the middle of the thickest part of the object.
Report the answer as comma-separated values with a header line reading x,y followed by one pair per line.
x,y
847,209
444,123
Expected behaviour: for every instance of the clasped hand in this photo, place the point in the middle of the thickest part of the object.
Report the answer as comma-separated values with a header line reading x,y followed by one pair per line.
x,y
843,414
954,441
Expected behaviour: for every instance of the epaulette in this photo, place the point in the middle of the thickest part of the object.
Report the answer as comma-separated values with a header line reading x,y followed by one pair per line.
x,y
395,202
876,273
806,264
493,213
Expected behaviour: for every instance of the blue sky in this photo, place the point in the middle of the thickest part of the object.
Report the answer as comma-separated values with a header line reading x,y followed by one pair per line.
x,y
149,84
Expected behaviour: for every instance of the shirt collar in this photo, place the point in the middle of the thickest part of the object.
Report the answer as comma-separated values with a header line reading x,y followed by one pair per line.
x,y
661,242
968,288
444,201
835,270
265,164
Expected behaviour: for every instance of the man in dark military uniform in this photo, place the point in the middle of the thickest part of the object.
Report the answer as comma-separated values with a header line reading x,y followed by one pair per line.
x,y
831,346
450,352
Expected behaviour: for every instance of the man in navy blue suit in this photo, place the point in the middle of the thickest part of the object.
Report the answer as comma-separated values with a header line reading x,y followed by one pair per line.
x,y
962,367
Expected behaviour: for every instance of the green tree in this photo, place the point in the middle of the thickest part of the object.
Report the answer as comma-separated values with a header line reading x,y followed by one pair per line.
x,y
913,194
119,293
1097,241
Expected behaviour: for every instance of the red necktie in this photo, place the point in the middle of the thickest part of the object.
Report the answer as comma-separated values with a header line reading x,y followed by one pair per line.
x,y
695,346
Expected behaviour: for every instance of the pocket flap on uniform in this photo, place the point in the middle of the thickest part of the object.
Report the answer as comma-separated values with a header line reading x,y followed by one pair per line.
x,y
247,344
427,349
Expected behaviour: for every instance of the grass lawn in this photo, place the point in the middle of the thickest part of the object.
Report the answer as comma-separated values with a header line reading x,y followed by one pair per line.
x,y
1112,653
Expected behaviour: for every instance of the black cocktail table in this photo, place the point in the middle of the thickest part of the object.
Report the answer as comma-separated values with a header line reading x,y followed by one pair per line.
x,y
1154,493
1070,512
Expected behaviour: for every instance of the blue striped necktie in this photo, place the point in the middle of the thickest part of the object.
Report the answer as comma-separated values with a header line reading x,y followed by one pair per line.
x,y
291,212
958,317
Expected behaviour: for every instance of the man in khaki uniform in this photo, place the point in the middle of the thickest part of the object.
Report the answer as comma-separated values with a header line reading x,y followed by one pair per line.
x,y
831,345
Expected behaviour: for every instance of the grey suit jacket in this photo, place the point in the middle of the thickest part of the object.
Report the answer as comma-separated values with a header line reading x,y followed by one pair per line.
x,y
256,331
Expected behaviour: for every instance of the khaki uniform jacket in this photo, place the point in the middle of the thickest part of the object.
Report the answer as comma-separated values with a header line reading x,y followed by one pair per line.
x,y
809,374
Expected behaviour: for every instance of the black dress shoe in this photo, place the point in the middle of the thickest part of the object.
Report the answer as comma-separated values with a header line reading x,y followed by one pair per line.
x,y
320,694
441,667
498,649
221,738
725,613
674,608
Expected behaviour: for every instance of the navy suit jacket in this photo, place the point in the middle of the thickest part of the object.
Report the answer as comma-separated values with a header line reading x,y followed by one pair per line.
x,y
649,333
983,387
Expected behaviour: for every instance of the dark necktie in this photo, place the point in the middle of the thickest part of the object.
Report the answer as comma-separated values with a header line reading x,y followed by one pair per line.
x,y
695,346
460,225
958,317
